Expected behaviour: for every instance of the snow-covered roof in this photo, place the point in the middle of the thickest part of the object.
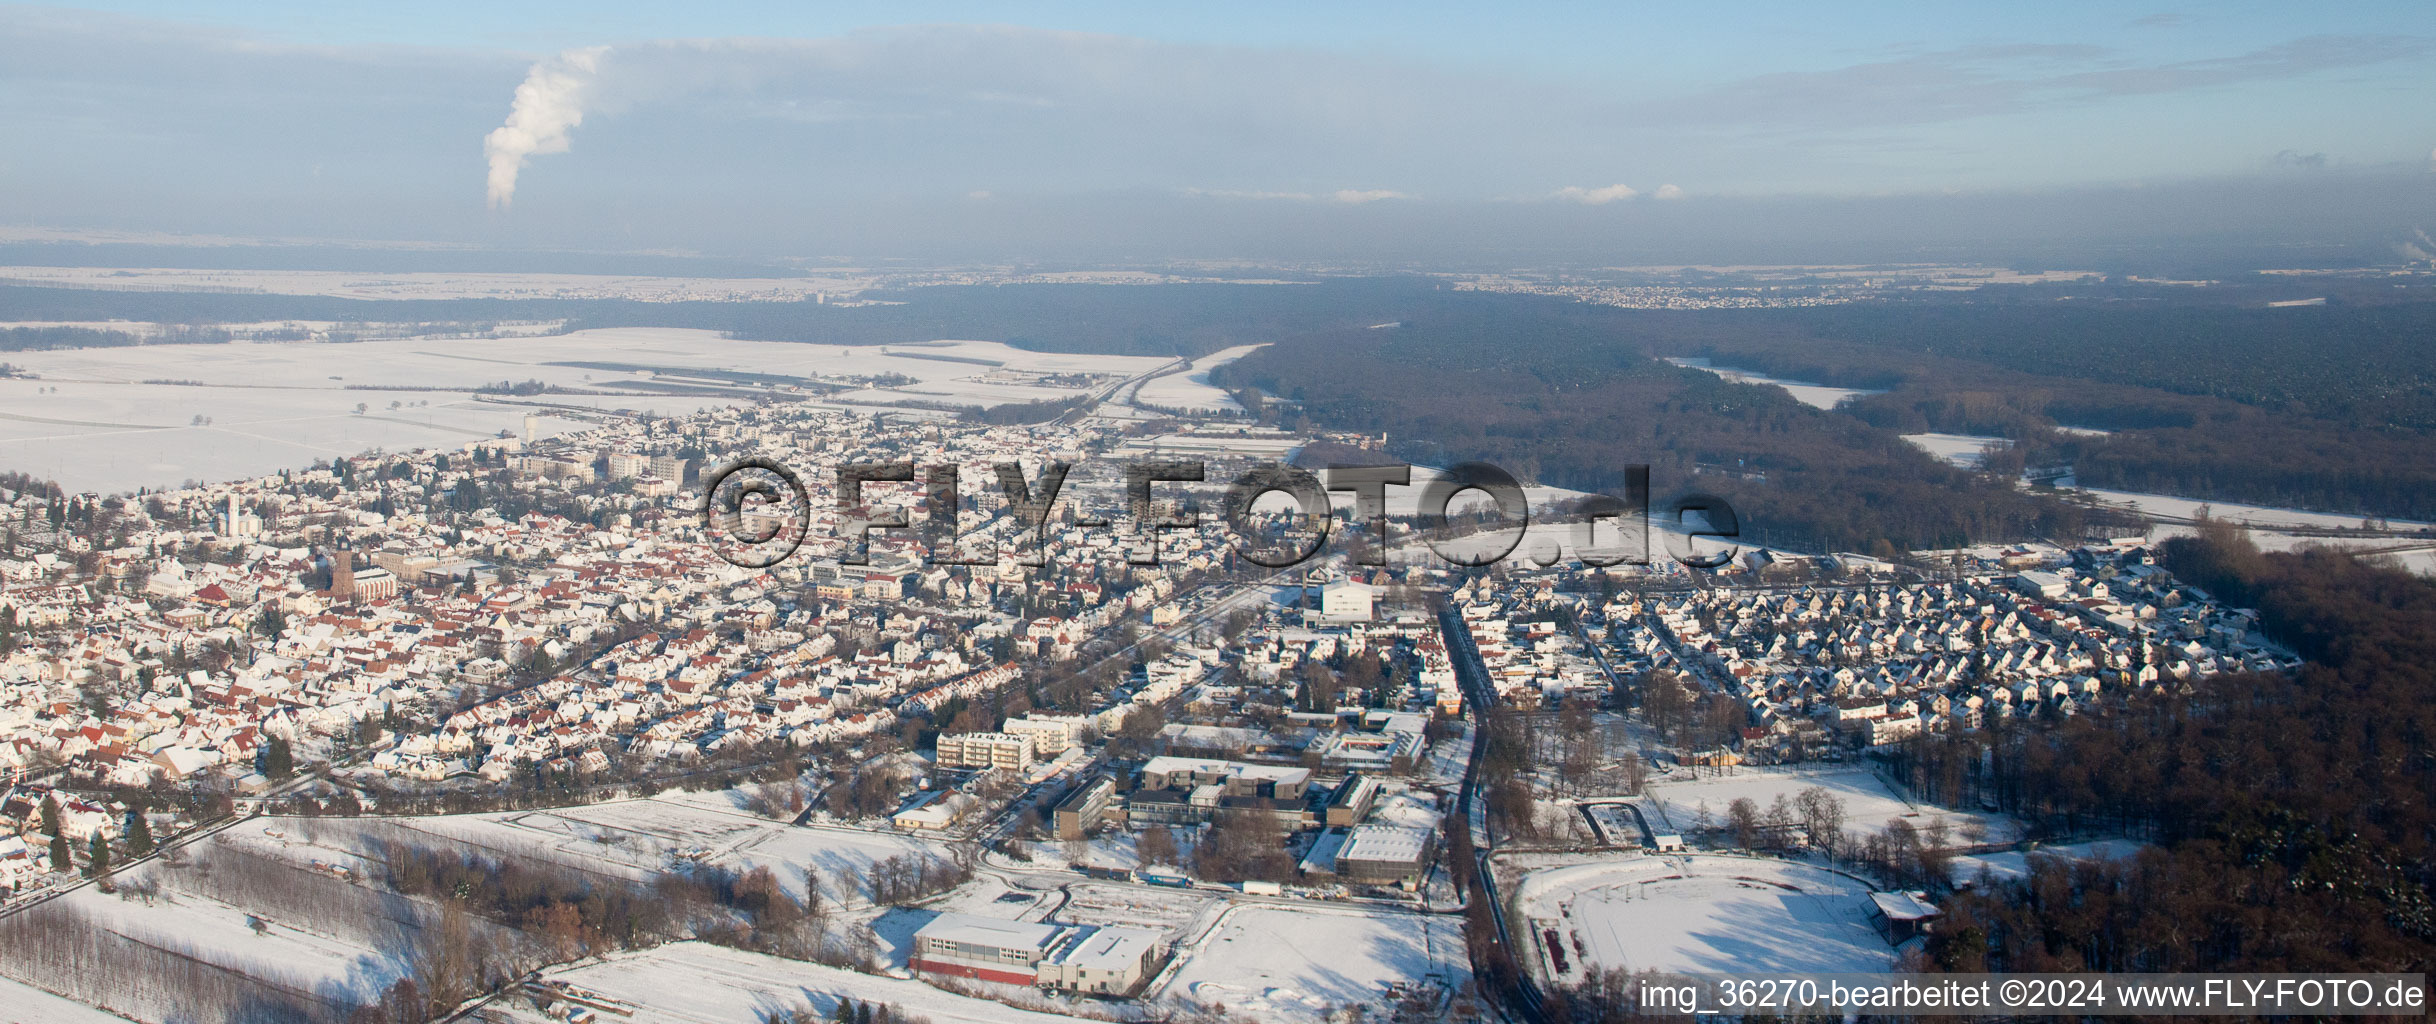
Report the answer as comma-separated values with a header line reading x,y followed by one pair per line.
x,y
1903,906
1390,843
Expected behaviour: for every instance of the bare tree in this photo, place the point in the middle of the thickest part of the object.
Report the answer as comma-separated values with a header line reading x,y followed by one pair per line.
x,y
1822,816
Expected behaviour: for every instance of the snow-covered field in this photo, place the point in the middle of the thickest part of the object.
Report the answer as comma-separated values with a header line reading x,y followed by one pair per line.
x,y
21,1003
1191,390
1962,451
300,955
110,437
430,285
696,983
2234,512
1675,805
1277,963
91,422
2009,865
1699,913
1815,395
634,839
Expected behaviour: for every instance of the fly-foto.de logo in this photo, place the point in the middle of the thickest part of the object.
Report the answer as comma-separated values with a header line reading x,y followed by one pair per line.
x,y
757,513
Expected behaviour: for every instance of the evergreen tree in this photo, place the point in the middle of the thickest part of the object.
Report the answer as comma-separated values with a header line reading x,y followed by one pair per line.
x,y
278,759
862,1013
61,860
97,857
139,834
844,1013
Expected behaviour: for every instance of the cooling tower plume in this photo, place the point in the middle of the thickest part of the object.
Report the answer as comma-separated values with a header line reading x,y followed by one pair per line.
x,y
548,106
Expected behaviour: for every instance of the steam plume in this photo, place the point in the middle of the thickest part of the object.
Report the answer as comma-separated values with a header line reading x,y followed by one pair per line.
x,y
548,106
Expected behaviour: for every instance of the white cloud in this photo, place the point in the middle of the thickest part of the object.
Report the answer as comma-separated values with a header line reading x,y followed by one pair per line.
x,y
1600,196
1366,195
1667,192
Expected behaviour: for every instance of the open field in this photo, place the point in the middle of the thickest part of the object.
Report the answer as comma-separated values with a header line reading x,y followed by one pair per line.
x,y
1275,963
631,839
348,284
301,955
696,983
2235,512
1191,390
1697,913
102,419
1961,451
243,925
21,1003
1674,805
1815,395
639,838
110,437
2014,865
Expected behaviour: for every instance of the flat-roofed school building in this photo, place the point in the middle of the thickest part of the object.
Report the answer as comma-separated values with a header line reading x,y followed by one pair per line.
x,y
1099,959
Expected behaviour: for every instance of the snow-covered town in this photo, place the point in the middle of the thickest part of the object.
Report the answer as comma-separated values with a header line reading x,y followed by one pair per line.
x,y
543,647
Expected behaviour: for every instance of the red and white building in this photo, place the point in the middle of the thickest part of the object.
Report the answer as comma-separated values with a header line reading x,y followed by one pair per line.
x,y
1106,959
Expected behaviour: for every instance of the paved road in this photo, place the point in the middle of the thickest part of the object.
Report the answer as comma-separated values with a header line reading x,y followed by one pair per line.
x,y
1473,675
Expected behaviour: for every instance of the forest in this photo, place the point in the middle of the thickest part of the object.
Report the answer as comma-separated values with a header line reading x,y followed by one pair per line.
x,y
2328,408
2291,813
1565,395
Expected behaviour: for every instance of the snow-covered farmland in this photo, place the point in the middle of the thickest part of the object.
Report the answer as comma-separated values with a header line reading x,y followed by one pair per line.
x,y
110,419
1280,963
118,436
696,983
1703,913
1675,805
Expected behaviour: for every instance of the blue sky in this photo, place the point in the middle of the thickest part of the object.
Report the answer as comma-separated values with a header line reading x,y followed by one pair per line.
x,y
295,118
